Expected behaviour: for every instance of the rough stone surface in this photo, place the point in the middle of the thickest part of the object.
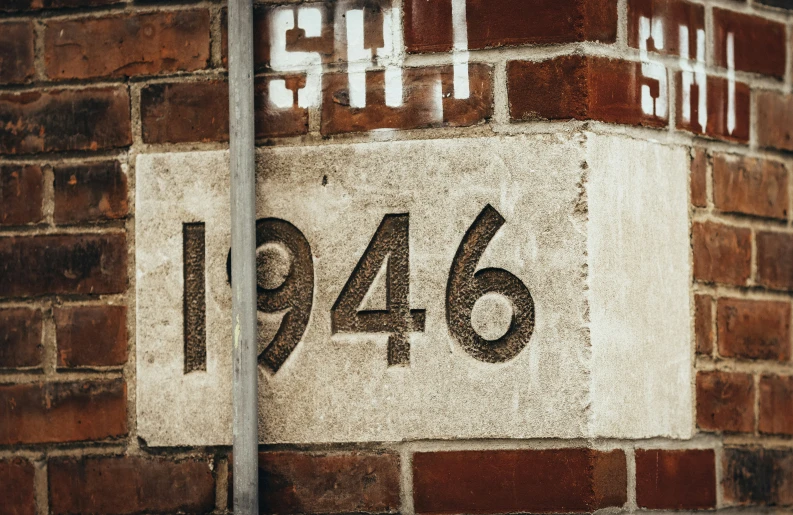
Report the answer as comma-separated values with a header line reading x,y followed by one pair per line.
x,y
339,387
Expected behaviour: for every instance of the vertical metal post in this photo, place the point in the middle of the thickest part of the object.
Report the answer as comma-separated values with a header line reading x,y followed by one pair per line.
x,y
243,256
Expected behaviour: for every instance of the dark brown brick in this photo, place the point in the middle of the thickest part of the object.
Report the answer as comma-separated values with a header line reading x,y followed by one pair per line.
x,y
776,405
422,106
774,119
16,487
16,52
580,88
703,323
718,91
91,335
756,476
32,5
775,260
127,45
428,26
90,192
699,178
759,43
676,480
63,264
750,186
129,484
754,329
20,338
673,14
507,481
21,194
67,119
722,254
63,412
199,111
725,402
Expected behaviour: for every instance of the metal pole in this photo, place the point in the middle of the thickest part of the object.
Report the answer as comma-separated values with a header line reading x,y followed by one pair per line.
x,y
243,257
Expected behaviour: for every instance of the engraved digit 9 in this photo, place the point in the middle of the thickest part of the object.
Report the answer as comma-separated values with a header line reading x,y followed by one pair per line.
x,y
466,286
285,283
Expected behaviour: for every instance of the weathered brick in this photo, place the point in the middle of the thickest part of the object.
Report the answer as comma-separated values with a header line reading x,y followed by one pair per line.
x,y
17,495
725,401
428,26
703,323
676,480
20,338
759,43
581,88
96,191
775,260
63,264
774,119
428,101
753,329
699,178
21,194
674,16
508,481
129,484
776,405
756,476
63,412
784,4
719,123
722,254
66,119
337,482
199,111
127,45
33,5
750,186
91,335
16,52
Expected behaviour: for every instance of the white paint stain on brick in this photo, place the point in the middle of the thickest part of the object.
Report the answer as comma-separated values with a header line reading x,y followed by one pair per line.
x,y
460,50
359,58
730,82
693,73
652,29
282,20
390,56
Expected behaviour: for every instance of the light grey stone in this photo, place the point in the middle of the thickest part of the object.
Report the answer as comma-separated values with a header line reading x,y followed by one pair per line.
x,y
626,373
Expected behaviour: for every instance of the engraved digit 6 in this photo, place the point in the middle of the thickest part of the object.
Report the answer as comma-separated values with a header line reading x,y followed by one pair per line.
x,y
465,286
286,286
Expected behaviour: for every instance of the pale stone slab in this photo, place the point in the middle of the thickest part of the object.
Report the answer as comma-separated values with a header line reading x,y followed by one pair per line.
x,y
618,265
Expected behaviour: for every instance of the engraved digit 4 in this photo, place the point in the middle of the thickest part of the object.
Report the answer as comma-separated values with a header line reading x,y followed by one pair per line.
x,y
466,286
390,243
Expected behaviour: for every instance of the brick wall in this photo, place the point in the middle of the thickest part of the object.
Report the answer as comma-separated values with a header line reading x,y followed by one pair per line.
x,y
87,85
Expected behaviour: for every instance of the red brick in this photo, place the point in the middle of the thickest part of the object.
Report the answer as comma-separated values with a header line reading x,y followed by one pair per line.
x,y
428,101
754,329
718,106
67,119
428,25
774,119
722,254
63,264
581,88
21,194
703,323
775,260
676,480
20,338
756,476
32,5
507,481
63,412
129,484
16,487
90,192
725,402
91,335
699,178
127,45
16,52
760,44
199,111
776,405
750,186
672,14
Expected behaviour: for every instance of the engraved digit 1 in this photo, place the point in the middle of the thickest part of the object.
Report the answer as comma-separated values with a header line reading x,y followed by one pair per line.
x,y
285,284
390,243
194,315
466,286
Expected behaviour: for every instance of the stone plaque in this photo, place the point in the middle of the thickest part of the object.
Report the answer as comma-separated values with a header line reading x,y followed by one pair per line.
x,y
502,287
